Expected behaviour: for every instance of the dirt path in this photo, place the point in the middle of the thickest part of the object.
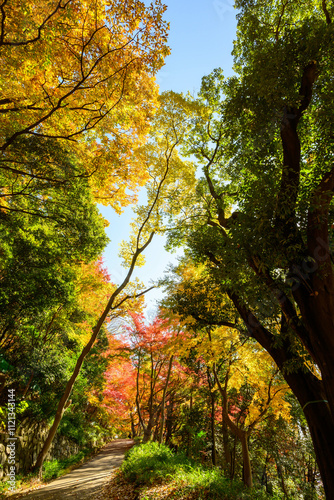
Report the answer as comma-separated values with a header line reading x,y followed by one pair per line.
x,y
84,483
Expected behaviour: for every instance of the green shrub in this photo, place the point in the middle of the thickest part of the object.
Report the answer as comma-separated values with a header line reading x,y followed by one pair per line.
x,y
152,463
56,468
147,463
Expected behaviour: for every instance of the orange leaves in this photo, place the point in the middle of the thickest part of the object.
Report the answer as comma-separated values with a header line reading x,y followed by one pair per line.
x,y
153,337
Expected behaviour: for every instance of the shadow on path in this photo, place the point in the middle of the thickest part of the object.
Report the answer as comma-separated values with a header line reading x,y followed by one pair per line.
x,y
84,483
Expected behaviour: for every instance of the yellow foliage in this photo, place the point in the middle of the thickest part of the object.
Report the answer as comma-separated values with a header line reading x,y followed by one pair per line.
x,y
82,71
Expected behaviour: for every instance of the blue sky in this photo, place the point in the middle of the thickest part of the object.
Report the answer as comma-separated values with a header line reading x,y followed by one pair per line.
x,y
201,39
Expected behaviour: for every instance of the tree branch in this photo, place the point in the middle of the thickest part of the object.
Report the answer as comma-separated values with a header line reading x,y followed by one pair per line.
x,y
324,8
39,29
287,196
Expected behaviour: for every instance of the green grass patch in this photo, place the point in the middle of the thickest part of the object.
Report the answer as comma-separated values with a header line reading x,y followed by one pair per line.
x,y
57,468
151,464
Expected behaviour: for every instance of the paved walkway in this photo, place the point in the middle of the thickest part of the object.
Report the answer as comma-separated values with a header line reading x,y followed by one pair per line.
x,y
84,483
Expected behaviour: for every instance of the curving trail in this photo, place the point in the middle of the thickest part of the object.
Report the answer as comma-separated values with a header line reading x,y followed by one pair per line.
x,y
84,483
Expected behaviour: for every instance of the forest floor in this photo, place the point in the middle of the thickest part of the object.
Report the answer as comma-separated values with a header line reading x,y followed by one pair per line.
x,y
88,482
119,488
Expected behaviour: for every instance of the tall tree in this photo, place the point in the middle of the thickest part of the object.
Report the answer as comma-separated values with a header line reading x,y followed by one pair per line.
x,y
153,369
163,166
68,64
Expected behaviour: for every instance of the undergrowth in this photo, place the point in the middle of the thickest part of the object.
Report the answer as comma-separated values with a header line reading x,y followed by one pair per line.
x,y
151,464
57,468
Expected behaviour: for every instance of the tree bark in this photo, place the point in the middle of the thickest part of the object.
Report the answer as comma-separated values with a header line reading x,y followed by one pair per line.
x,y
247,470
163,404
227,451
169,419
26,389
307,388
212,420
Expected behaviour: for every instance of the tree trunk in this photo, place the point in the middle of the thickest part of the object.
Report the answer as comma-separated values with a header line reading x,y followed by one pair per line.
x,y
241,434
317,312
307,388
169,419
247,469
213,427
213,430
148,431
163,404
61,405
140,417
227,451
26,389
133,427
281,478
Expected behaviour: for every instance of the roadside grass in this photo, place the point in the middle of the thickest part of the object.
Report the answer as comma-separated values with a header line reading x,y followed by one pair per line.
x,y
159,473
57,468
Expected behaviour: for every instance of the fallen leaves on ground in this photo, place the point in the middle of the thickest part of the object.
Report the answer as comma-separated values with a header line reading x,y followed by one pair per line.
x,y
118,488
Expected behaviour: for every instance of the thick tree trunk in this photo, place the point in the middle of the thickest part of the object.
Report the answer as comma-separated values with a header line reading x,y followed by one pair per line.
x,y
322,432
309,391
318,310
314,284
148,431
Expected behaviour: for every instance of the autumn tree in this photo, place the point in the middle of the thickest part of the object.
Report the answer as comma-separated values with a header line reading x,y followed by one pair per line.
x,y
119,393
72,71
232,360
67,65
259,390
153,366
41,263
251,390
160,157
79,73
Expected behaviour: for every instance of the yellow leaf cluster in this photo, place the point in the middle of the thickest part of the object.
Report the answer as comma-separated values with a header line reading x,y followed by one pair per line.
x,y
83,71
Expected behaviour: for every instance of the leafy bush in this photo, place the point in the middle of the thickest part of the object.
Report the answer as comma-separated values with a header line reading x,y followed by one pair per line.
x,y
152,463
148,462
56,468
